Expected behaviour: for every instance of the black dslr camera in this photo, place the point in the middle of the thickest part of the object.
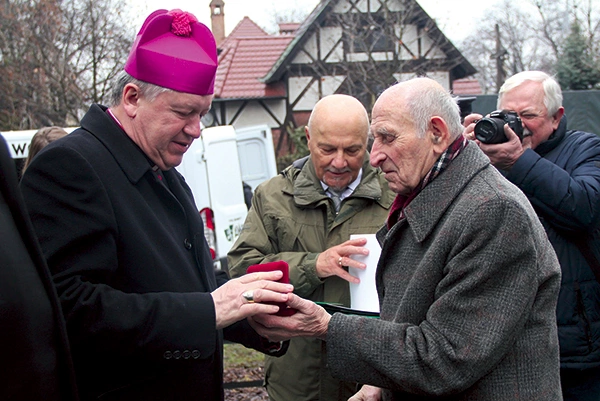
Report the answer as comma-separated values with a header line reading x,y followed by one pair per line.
x,y
491,129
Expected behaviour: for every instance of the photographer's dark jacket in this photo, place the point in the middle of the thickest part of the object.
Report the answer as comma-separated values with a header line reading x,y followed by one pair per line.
x,y
131,266
561,178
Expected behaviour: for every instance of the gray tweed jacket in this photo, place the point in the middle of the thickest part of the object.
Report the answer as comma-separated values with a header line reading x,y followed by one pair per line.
x,y
467,284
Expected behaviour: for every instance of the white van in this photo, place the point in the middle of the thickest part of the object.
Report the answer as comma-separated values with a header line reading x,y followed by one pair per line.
x,y
18,145
256,154
215,167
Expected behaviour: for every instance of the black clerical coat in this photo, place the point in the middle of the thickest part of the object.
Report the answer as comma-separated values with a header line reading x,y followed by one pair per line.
x,y
132,268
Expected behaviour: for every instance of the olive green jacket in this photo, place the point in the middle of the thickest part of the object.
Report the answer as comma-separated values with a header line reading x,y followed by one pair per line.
x,y
292,219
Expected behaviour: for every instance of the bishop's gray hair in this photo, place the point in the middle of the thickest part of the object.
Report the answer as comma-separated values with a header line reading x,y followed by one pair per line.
x,y
147,90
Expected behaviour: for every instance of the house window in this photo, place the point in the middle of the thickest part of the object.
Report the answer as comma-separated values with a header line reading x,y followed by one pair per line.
x,y
380,41
368,39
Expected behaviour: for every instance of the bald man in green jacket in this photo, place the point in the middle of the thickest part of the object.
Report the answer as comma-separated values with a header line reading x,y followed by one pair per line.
x,y
294,218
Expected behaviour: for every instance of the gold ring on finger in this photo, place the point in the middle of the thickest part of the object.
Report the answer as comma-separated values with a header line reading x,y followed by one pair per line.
x,y
248,296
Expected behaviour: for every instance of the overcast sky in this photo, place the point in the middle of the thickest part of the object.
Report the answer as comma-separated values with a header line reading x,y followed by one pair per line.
x,y
456,18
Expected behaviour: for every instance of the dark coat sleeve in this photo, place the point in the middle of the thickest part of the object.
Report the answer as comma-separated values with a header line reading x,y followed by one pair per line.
x,y
566,189
477,290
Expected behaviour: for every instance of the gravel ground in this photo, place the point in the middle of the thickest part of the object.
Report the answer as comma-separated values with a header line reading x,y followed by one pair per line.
x,y
243,365
246,393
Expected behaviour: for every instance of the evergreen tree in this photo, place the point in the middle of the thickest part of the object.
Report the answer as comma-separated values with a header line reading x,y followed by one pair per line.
x,y
576,68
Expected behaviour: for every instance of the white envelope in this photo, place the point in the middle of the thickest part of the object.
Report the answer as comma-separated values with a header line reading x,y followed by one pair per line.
x,y
363,296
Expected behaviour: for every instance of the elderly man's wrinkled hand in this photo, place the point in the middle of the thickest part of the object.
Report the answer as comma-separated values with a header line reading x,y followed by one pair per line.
x,y
242,297
310,320
367,393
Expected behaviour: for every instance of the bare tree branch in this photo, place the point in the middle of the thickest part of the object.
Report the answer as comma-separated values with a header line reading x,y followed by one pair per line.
x,y
57,57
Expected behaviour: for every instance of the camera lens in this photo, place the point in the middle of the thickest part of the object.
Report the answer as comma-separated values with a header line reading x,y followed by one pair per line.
x,y
490,130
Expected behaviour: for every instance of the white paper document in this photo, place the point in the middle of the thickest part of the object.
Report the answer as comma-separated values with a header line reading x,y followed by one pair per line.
x,y
363,296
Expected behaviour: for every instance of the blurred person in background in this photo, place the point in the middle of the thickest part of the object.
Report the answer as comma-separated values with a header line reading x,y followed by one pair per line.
x,y
40,139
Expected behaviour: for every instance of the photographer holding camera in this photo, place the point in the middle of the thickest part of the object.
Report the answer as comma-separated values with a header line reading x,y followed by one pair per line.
x,y
559,171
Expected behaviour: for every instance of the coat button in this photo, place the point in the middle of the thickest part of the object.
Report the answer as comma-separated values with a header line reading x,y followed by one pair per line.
x,y
186,354
195,354
187,244
167,355
176,354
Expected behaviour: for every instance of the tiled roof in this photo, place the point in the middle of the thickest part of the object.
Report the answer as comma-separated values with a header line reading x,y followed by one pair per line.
x,y
466,86
247,54
247,27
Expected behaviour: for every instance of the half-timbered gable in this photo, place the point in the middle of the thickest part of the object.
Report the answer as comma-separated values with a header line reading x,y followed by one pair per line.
x,y
357,47
361,47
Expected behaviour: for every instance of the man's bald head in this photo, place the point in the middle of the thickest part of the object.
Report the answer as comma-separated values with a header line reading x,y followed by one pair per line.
x,y
337,139
339,110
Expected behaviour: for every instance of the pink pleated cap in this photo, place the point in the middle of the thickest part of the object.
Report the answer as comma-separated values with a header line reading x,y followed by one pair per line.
x,y
175,51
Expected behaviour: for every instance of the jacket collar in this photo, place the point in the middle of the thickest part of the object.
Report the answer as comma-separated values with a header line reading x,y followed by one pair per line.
x,y
127,154
308,192
428,207
554,139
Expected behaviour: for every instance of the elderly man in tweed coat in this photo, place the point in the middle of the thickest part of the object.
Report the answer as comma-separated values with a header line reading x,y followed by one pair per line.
x,y
467,279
